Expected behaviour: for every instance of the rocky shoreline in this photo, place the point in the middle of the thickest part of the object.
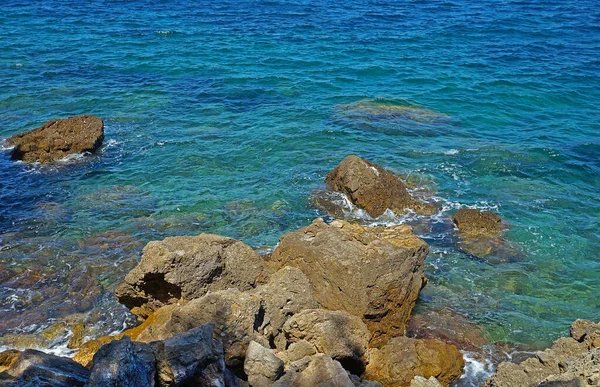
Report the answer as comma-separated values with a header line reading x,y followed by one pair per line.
x,y
330,306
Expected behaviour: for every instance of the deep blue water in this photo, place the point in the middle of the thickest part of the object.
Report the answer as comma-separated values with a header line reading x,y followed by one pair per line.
x,y
225,116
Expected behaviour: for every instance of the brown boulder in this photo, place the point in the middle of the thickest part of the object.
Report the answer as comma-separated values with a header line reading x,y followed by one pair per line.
x,y
401,359
471,222
372,272
187,267
7,358
335,333
371,187
58,138
322,371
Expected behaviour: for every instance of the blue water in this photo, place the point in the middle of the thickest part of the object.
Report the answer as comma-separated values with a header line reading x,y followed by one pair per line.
x,y
224,117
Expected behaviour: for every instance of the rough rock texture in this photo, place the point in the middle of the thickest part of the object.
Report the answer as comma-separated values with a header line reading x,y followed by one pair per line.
x,y
475,223
297,351
322,371
35,368
193,358
335,333
372,272
123,363
570,361
7,358
288,292
58,138
188,267
262,366
420,381
373,188
402,358
449,327
238,318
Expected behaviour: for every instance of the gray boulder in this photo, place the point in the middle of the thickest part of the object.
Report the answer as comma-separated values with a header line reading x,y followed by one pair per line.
x,y
38,369
262,366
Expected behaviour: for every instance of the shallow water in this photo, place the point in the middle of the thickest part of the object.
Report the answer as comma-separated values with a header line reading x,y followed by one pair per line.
x,y
225,117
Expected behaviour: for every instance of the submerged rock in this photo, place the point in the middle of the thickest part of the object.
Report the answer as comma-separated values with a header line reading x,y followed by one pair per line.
x,y
571,361
471,222
372,188
372,272
35,368
396,363
335,333
57,139
123,363
187,267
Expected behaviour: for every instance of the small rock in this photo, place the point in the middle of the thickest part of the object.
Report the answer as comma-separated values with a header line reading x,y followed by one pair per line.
x,y
123,363
371,187
473,222
335,333
420,381
35,368
396,363
57,139
296,351
193,358
262,366
322,371
7,358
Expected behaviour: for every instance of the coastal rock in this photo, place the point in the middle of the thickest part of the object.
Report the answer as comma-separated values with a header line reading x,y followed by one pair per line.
x,y
7,358
533,371
449,327
193,358
187,267
35,368
237,316
297,351
396,363
420,381
123,363
262,366
581,372
372,272
586,332
472,222
322,371
335,333
371,187
57,139
287,293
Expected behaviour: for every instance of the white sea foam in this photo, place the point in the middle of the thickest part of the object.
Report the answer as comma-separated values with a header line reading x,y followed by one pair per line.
x,y
476,371
451,152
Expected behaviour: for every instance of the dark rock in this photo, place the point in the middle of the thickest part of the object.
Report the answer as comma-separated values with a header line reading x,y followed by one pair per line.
x,y
371,187
396,363
58,138
335,333
193,358
188,267
39,369
372,272
123,363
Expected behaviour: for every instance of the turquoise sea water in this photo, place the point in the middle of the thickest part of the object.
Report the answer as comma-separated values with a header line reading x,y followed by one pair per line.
x,y
224,117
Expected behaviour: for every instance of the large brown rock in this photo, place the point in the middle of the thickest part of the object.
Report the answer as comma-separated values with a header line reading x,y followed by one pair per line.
x,y
322,371
187,267
335,333
372,188
372,272
472,222
58,138
401,359
262,366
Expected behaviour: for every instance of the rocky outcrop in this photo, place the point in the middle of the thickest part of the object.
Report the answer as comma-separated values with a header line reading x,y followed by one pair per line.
x,y
287,293
193,358
372,188
57,139
322,371
571,361
262,366
335,333
35,368
396,363
471,222
372,272
187,267
123,363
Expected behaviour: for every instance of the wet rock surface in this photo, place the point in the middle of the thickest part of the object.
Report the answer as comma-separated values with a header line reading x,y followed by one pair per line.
x,y
372,272
372,188
184,268
57,139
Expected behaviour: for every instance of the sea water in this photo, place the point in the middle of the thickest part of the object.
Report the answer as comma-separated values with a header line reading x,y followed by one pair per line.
x,y
224,117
